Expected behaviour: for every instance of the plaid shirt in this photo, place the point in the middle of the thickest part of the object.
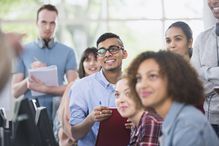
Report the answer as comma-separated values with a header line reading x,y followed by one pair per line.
x,y
148,130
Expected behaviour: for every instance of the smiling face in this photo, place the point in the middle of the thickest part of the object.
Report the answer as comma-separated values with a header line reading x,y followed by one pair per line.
x,y
151,87
110,61
46,24
214,6
126,105
91,65
177,42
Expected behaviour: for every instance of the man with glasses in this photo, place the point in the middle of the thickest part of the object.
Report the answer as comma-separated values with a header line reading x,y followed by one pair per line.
x,y
91,97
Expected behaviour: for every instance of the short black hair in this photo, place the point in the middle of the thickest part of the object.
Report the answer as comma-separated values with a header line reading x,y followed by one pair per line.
x,y
48,7
107,35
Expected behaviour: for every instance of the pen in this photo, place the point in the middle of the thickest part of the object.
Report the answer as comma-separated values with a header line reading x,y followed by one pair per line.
x,y
36,59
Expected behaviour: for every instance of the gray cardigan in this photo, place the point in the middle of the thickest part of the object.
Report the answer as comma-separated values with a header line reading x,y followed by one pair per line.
x,y
205,60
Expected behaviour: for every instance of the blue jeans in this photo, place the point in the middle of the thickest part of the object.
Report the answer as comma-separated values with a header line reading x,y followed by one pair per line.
x,y
46,102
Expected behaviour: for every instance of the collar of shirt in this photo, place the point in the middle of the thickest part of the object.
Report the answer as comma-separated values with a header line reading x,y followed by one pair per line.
x,y
172,115
42,44
103,81
136,128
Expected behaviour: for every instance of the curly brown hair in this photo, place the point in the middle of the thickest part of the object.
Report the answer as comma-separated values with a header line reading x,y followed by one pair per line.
x,y
183,84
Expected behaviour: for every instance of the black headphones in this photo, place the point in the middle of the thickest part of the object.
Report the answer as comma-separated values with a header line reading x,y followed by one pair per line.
x,y
46,44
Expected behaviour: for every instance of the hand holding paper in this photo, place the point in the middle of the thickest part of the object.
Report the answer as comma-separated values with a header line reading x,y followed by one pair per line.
x,y
101,113
36,85
112,131
41,77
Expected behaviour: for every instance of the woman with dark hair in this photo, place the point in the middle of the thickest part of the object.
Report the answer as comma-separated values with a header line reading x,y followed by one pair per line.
x,y
179,39
167,83
87,66
88,63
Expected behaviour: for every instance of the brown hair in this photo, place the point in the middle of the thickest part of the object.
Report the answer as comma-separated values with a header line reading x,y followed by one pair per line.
x,y
48,7
183,84
186,30
85,55
136,100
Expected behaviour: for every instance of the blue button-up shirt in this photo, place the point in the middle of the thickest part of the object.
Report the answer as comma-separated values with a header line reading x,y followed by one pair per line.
x,y
85,94
56,54
185,125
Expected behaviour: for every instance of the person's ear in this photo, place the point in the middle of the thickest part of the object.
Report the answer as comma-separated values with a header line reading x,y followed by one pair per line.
x,y
125,54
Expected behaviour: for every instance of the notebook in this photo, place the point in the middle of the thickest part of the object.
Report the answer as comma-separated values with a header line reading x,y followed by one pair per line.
x,y
112,131
48,75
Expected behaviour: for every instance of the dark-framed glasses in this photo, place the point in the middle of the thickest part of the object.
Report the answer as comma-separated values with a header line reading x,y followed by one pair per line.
x,y
112,49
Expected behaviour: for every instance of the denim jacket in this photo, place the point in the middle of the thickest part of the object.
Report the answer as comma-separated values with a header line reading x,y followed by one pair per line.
x,y
184,125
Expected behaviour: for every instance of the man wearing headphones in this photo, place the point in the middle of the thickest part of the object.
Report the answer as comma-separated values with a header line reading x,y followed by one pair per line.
x,y
44,52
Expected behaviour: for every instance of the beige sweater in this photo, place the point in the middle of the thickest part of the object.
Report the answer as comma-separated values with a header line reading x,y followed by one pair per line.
x,y
64,134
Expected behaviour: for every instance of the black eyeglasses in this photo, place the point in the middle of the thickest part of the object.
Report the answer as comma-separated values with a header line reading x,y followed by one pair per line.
x,y
112,49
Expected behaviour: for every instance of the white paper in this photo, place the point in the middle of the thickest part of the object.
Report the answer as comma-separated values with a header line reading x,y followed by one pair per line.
x,y
48,75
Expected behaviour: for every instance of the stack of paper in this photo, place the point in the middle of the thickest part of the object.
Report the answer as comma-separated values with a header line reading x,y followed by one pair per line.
x,y
48,75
